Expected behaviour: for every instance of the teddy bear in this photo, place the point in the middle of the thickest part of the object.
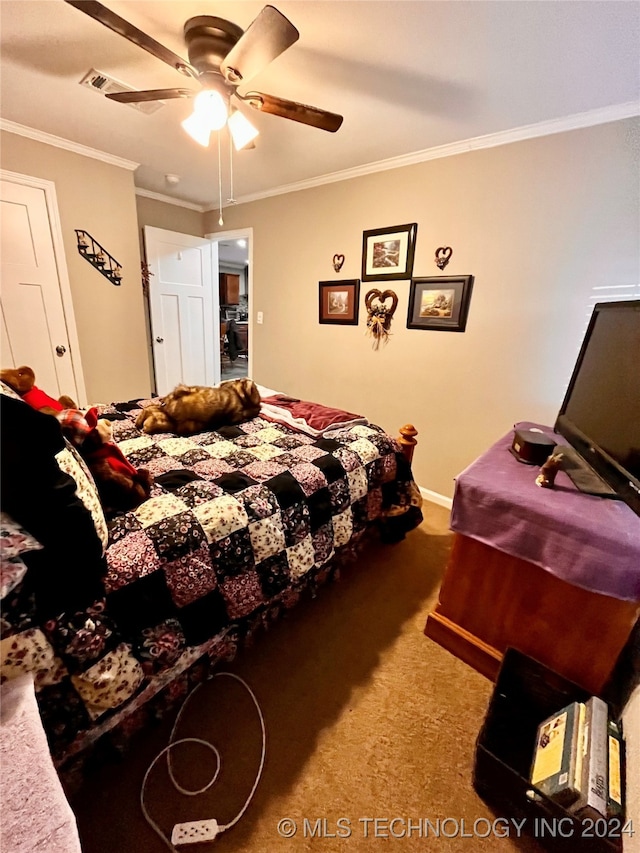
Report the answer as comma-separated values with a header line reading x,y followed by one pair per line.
x,y
120,485
22,381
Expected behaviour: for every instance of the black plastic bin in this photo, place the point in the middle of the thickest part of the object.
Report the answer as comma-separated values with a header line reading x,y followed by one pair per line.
x,y
525,694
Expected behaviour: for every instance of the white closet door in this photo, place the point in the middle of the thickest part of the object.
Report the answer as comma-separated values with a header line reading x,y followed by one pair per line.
x,y
35,326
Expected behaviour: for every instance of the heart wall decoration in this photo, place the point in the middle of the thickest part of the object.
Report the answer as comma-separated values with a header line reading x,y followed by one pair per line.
x,y
380,314
338,261
443,256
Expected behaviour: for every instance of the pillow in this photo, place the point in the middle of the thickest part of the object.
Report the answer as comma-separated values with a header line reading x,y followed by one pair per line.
x,y
70,461
14,541
9,392
66,574
74,465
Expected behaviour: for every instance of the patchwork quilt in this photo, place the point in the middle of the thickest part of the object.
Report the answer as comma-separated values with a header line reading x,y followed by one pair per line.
x,y
239,520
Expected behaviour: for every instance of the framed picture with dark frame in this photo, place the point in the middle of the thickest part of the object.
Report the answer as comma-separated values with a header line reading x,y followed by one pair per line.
x,y
339,301
387,253
440,303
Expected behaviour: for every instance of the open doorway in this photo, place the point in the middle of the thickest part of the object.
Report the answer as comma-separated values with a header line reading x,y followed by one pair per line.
x,y
234,250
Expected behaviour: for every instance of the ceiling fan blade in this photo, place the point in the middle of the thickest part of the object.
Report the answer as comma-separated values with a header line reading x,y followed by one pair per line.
x,y
296,112
118,25
150,95
269,35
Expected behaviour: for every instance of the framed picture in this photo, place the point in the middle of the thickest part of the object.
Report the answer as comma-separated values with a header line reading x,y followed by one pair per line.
x,y
339,301
387,253
440,303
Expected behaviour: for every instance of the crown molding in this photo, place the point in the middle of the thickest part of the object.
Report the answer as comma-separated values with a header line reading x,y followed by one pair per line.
x,y
491,140
66,144
591,118
167,199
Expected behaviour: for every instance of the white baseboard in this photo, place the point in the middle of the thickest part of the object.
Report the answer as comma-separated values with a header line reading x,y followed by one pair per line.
x,y
436,498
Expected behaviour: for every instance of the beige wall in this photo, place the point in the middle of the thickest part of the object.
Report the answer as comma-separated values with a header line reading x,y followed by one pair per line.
x,y
173,217
99,198
538,223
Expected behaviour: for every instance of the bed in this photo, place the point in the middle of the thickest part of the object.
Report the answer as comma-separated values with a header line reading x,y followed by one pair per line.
x,y
116,618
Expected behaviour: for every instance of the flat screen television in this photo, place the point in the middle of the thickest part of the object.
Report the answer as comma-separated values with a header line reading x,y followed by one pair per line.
x,y
600,414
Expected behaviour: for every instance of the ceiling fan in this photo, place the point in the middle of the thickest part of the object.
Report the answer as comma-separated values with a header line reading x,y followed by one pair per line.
x,y
221,57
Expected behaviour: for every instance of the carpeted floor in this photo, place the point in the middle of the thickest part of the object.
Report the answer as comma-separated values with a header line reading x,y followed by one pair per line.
x,y
366,718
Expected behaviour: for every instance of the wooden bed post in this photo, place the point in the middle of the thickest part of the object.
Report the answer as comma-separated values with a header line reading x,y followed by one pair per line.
x,y
407,441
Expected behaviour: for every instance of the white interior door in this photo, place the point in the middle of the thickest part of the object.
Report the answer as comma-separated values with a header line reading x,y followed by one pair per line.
x,y
184,307
36,323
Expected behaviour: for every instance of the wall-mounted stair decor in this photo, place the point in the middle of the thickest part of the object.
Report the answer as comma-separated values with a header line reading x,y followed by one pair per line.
x,y
99,257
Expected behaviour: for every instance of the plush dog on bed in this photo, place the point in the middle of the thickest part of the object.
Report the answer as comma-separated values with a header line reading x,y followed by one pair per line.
x,y
189,409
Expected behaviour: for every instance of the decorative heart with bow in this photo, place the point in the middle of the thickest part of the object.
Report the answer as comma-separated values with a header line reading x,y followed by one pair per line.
x,y
443,256
381,296
338,260
380,314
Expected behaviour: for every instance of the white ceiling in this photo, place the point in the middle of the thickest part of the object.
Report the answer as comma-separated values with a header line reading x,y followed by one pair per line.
x,y
233,252
406,76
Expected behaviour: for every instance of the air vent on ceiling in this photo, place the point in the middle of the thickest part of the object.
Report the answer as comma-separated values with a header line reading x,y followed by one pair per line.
x,y
106,85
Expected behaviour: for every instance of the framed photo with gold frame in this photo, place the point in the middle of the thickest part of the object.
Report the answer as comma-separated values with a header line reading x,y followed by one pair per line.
x,y
339,302
387,253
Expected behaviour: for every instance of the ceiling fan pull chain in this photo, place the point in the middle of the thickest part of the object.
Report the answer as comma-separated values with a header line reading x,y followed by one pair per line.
x,y
231,199
220,220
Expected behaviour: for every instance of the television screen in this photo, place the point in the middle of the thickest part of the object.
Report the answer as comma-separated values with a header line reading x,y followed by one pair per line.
x,y
600,415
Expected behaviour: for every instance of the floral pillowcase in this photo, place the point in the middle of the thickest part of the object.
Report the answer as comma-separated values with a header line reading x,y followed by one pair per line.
x,y
14,541
70,461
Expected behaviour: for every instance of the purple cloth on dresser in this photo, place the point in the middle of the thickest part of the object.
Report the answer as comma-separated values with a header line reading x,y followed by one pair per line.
x,y
588,541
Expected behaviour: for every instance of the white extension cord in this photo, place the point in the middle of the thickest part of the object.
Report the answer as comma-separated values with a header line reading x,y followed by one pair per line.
x,y
198,831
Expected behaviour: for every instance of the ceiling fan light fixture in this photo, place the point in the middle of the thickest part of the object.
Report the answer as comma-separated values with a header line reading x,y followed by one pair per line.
x,y
221,55
211,106
197,128
241,129
209,114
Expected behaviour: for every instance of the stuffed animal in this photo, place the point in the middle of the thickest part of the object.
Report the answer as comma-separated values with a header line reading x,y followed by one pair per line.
x,y
22,380
120,485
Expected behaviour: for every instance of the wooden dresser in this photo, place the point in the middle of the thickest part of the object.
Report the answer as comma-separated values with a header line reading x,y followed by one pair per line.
x,y
560,588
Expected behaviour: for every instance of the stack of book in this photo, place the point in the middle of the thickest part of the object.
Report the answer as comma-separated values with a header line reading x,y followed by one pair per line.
x,y
578,760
